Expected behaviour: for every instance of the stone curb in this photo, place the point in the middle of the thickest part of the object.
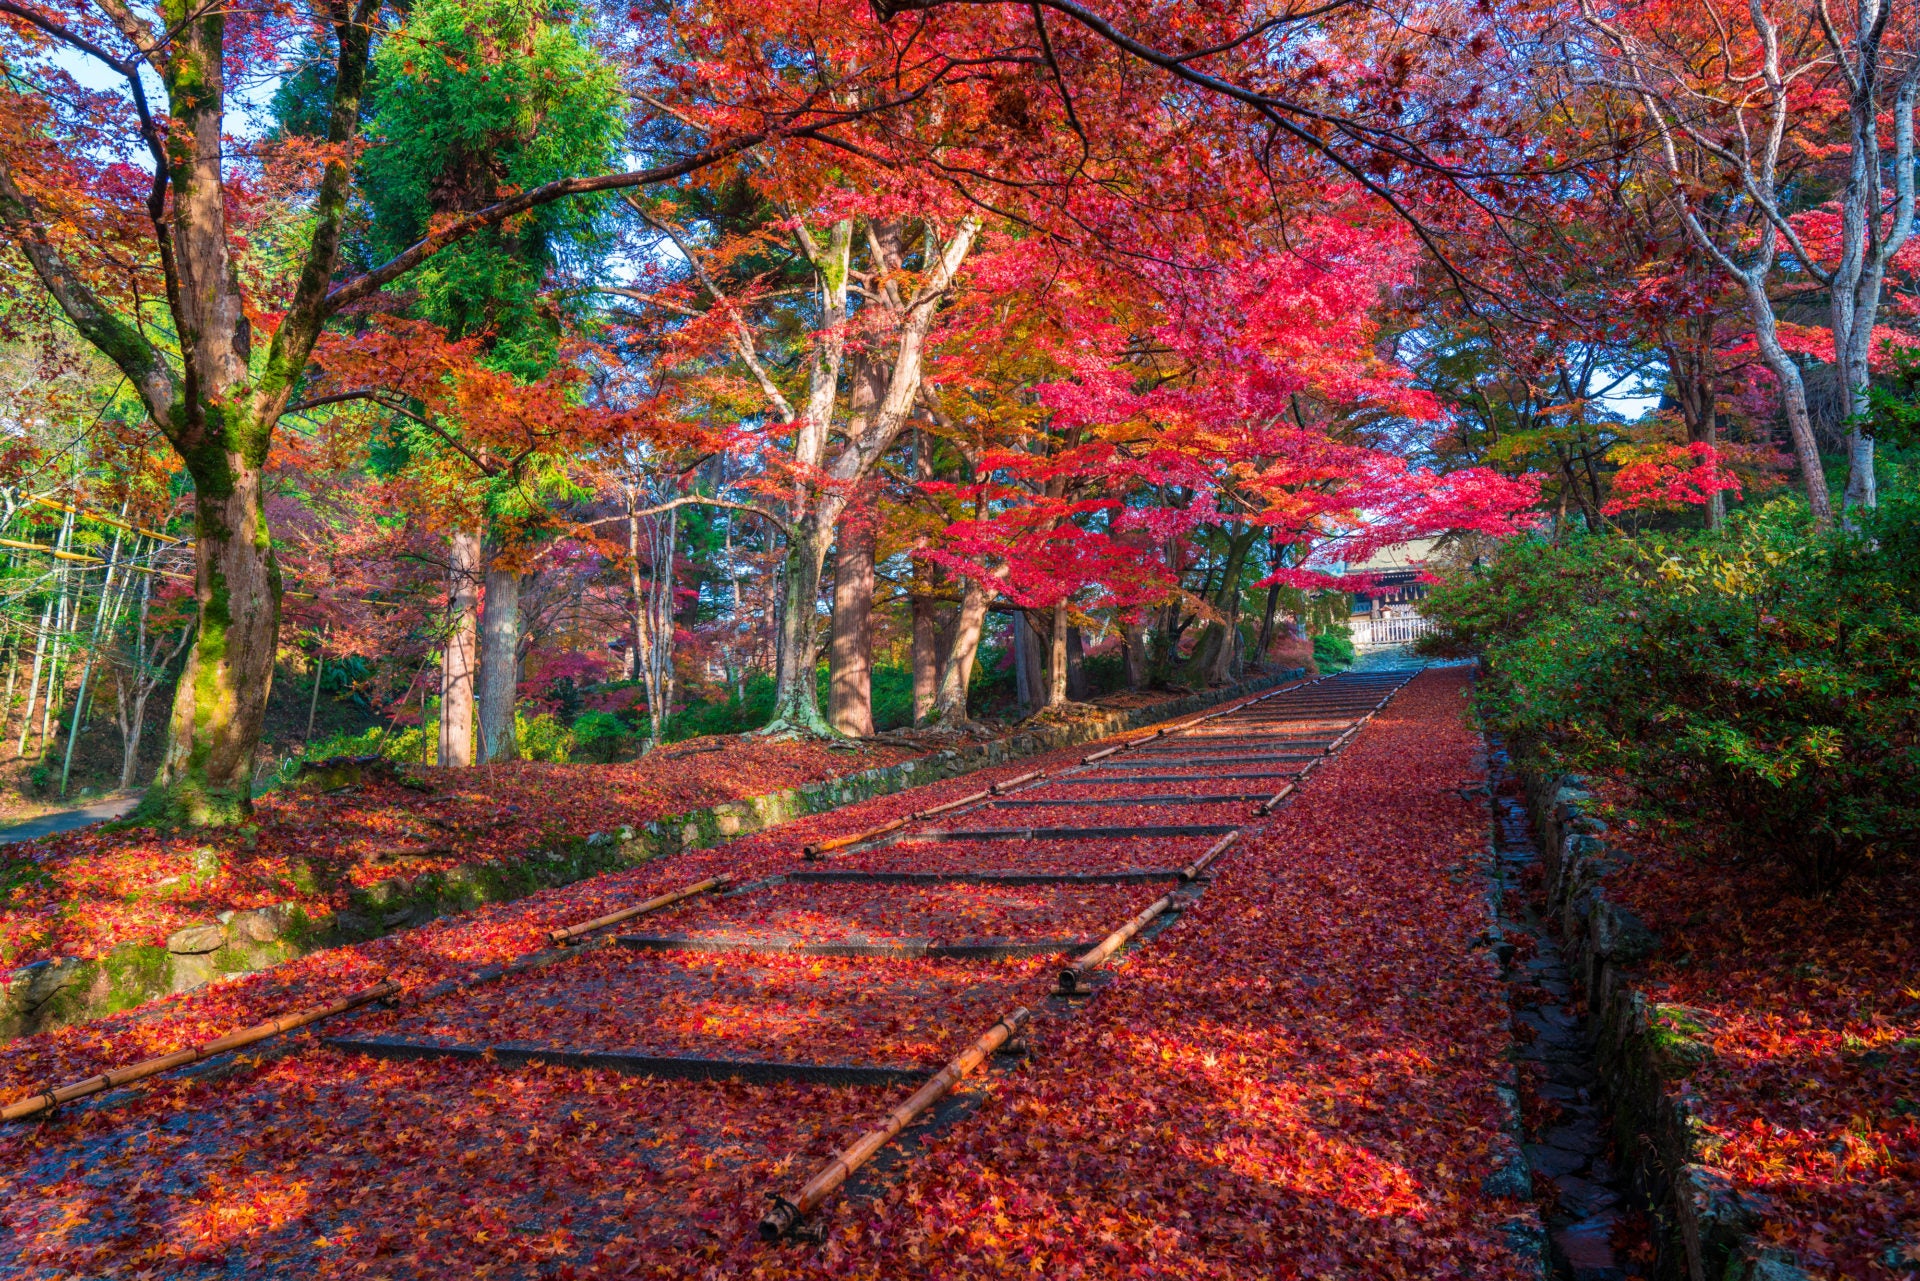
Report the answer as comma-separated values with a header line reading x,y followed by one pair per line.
x,y
1644,1052
66,991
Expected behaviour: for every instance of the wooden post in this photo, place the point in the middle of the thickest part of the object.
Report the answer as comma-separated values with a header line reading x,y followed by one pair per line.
x,y
1073,978
788,1211
37,1103
571,932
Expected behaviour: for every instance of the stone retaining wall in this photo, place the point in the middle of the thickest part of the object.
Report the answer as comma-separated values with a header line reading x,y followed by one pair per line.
x,y
1644,1051
70,990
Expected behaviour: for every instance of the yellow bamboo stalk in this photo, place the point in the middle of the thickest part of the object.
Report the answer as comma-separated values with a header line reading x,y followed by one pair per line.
x,y
571,932
788,1211
1266,806
37,1103
1192,871
1073,977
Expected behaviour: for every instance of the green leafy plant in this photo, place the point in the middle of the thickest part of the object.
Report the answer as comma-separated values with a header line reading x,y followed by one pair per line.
x,y
1760,687
1333,650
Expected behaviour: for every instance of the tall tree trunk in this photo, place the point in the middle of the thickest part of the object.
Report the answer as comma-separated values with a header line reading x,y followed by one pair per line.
x,y
1136,655
221,700
796,695
1793,402
500,665
1030,678
850,659
1057,657
1076,665
926,663
1266,623
956,673
457,670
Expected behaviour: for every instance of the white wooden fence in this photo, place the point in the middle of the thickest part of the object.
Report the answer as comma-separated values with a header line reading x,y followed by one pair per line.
x,y
1388,630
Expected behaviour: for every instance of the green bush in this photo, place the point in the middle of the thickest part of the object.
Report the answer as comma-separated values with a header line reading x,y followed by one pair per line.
x,y
1760,687
396,745
599,736
543,738
1333,651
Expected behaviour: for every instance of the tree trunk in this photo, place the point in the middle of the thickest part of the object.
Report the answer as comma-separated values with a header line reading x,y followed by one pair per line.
x,y
850,658
796,700
1136,655
1793,401
457,669
221,701
500,665
956,673
1166,647
1076,665
1057,657
926,663
1266,623
1030,676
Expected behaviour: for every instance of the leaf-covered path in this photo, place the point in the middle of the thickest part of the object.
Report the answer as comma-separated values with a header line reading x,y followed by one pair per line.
x,y
1298,1074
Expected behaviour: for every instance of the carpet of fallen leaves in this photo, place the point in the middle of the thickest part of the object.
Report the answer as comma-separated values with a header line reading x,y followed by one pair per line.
x,y
1298,1079
85,892
1015,854
870,912
873,1012
1811,1098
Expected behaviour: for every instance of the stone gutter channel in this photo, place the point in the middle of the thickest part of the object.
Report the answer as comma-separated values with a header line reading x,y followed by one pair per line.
x,y
67,991
1613,1134
1595,1220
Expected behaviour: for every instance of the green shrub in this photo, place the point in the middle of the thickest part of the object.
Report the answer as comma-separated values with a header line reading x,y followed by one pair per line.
x,y
377,740
1333,650
543,738
598,736
1760,686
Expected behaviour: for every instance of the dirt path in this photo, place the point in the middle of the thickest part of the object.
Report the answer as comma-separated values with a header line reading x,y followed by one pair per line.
x,y
1295,1070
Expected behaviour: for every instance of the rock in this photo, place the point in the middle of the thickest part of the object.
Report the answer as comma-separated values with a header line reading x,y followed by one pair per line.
x,y
1776,1265
197,939
1554,1162
1588,1244
261,924
1620,936
1584,1197
1710,1217
1511,1175
189,972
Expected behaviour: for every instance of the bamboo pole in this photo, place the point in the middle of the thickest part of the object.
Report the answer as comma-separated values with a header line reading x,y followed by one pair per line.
x,y
788,1211
1073,978
819,848
571,932
955,804
33,685
320,674
86,668
1266,806
1002,788
13,672
37,1103
1192,871
63,621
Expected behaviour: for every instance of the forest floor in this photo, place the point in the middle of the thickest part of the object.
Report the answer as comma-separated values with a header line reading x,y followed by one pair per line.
x,y
81,893
1298,1076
